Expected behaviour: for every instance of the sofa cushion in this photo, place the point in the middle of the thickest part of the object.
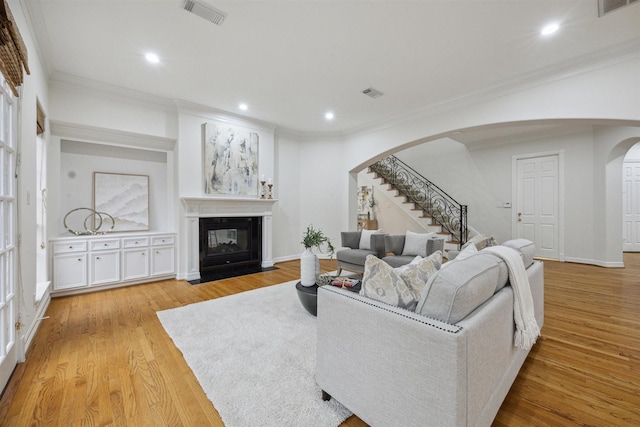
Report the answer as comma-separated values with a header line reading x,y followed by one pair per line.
x,y
354,256
365,238
416,243
526,248
400,286
454,292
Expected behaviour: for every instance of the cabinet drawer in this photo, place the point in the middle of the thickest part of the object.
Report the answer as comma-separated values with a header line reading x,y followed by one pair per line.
x,y
61,248
162,240
135,242
98,245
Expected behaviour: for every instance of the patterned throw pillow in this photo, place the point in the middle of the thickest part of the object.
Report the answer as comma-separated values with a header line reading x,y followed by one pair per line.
x,y
400,286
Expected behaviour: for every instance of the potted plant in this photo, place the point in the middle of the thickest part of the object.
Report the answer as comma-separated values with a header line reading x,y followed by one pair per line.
x,y
309,263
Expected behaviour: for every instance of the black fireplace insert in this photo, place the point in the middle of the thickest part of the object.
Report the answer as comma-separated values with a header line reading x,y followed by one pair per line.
x,y
230,246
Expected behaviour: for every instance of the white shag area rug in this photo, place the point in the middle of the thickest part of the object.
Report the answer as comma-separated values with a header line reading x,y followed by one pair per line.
x,y
254,354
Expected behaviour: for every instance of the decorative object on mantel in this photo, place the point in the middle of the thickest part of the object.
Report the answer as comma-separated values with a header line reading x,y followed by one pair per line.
x,y
262,183
94,218
125,196
309,263
230,160
263,191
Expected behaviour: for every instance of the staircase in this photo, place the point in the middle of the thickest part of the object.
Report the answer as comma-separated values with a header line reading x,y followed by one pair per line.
x,y
435,208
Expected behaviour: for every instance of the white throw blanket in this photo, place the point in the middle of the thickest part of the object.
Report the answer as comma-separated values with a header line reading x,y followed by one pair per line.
x,y
527,329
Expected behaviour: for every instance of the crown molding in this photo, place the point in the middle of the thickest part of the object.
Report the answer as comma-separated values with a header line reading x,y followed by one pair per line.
x,y
33,16
69,81
212,113
604,58
66,130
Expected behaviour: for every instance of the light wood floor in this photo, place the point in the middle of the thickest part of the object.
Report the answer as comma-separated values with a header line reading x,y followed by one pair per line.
x,y
104,359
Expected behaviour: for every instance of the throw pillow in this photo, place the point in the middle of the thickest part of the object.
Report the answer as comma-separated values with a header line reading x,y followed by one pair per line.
x,y
399,286
416,243
480,241
417,273
365,238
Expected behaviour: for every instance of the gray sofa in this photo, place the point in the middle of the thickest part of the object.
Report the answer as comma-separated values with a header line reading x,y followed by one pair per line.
x,y
394,367
396,244
352,257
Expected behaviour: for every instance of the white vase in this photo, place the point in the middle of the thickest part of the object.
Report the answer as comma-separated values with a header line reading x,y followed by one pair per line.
x,y
309,264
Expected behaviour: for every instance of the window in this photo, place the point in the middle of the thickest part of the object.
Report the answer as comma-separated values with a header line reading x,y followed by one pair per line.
x,y
8,221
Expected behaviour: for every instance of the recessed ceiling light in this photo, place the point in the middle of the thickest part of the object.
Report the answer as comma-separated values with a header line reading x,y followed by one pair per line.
x,y
329,115
550,29
243,107
152,58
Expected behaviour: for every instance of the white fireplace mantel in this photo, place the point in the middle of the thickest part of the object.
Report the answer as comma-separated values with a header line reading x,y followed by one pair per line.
x,y
204,207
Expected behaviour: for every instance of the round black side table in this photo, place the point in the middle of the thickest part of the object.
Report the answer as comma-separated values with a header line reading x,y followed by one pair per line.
x,y
308,297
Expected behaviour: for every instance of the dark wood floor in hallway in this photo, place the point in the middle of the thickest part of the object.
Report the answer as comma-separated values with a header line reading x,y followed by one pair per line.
x,y
104,359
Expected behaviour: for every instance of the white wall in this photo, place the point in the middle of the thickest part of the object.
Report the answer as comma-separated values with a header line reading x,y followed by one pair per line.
x,y
482,179
586,98
314,175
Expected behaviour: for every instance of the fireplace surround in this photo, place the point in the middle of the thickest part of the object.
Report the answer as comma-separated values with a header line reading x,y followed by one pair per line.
x,y
232,208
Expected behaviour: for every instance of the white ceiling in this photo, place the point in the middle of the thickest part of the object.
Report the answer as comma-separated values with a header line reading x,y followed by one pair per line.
x,y
292,61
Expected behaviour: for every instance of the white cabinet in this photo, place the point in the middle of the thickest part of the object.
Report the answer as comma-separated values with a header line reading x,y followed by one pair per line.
x,y
104,262
136,263
162,260
105,267
162,255
69,270
80,263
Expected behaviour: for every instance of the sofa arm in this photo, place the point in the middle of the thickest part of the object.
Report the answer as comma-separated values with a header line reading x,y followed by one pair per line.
x,y
387,364
377,244
435,244
350,239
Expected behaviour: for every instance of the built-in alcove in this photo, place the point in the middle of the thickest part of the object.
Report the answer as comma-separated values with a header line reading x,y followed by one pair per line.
x,y
80,160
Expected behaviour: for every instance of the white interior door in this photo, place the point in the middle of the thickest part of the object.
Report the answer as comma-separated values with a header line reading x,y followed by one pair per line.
x,y
8,252
631,206
536,211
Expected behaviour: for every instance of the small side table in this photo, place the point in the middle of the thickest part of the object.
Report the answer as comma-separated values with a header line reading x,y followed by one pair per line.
x,y
308,296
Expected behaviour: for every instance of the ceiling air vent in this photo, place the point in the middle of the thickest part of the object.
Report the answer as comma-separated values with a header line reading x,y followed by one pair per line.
x,y
373,93
205,11
606,6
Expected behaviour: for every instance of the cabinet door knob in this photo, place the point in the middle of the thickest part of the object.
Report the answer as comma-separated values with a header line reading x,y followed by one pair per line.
x,y
70,247
79,259
106,244
97,257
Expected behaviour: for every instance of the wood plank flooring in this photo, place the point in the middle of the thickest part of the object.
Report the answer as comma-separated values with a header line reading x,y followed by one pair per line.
x,y
103,359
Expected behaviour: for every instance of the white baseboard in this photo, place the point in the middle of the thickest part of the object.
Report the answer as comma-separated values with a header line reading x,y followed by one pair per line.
x,y
595,262
41,309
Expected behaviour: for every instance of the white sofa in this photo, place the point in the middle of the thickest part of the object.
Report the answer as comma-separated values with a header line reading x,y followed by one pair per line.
x,y
394,367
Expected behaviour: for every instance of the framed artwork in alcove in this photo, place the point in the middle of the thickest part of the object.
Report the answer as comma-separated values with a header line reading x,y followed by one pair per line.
x,y
123,196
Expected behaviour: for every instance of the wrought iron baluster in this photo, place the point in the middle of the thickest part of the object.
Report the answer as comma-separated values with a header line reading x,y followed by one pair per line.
x,y
424,194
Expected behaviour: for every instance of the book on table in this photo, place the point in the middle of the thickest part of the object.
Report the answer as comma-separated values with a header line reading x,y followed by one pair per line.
x,y
344,282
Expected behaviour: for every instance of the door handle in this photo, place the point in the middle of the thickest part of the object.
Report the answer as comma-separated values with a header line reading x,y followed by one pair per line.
x,y
519,216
